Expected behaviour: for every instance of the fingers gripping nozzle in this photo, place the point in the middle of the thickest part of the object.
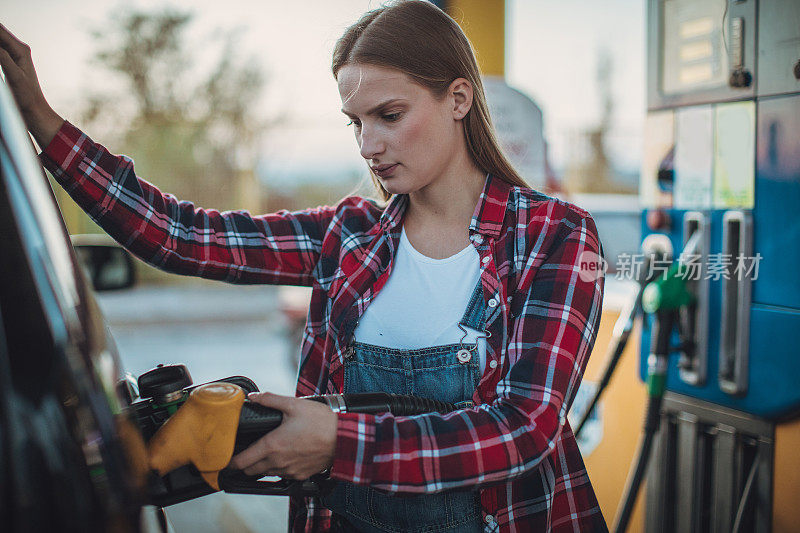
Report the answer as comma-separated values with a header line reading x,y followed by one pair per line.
x,y
202,432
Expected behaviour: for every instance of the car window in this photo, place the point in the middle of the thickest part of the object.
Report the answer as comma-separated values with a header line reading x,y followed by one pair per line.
x,y
45,234
29,340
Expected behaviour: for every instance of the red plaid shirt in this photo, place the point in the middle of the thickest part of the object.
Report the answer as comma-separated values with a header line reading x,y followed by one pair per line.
x,y
515,444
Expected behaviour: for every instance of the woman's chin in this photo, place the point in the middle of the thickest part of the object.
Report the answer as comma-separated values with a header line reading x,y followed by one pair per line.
x,y
393,186
399,184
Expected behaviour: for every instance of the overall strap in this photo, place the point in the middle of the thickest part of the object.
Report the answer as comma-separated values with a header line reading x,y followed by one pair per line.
x,y
475,316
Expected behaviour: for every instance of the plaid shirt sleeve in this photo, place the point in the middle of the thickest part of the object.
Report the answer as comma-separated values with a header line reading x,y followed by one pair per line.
x,y
233,246
550,341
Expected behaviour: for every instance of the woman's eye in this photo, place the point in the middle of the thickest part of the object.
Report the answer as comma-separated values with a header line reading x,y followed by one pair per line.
x,y
353,122
391,117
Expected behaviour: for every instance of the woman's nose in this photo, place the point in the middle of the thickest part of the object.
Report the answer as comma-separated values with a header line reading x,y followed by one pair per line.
x,y
371,143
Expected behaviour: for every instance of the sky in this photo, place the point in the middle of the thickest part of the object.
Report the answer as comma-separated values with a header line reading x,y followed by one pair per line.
x,y
551,55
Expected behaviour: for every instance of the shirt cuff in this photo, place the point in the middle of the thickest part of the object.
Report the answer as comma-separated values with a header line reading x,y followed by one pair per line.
x,y
64,152
355,448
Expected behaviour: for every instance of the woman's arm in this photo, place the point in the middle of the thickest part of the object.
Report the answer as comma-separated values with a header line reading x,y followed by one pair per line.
x,y
548,349
176,236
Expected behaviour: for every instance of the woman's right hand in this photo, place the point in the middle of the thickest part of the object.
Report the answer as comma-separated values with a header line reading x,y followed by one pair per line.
x,y
15,59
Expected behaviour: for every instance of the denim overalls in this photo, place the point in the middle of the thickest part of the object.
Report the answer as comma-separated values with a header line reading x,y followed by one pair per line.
x,y
449,373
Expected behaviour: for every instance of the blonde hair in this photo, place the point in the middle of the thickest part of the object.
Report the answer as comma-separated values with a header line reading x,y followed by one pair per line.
x,y
421,40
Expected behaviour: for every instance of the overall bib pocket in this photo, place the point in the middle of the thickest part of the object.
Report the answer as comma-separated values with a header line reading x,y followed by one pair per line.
x,y
447,373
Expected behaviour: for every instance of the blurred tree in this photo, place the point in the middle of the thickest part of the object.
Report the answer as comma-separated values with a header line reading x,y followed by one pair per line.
x,y
193,134
589,169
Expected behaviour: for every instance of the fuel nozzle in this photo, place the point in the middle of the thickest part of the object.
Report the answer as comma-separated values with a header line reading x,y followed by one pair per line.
x,y
668,292
202,432
665,297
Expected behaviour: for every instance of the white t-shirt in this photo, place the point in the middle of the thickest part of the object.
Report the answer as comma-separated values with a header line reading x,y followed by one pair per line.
x,y
423,301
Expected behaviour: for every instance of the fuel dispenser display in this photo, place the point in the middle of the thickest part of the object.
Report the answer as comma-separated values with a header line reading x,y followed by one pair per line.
x,y
721,172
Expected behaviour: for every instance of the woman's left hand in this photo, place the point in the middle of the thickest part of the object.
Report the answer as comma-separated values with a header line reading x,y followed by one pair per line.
x,y
303,445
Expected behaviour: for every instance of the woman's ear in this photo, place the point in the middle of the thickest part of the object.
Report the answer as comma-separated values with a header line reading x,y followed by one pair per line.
x,y
460,92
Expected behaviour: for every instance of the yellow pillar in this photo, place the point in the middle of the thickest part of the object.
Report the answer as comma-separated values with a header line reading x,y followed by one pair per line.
x,y
484,22
786,480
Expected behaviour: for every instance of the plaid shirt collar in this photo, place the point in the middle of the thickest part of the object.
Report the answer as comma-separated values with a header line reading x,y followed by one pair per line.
x,y
487,219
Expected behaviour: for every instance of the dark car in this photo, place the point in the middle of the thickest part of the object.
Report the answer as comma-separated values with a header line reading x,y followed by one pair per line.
x,y
71,459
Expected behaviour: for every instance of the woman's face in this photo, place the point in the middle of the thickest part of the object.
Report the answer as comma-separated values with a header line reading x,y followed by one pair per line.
x,y
399,124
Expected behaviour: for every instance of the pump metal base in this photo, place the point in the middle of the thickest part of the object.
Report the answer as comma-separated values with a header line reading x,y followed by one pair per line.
x,y
702,457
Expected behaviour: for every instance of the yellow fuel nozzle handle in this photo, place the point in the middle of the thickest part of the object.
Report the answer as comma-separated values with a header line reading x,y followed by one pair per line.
x,y
202,432
216,421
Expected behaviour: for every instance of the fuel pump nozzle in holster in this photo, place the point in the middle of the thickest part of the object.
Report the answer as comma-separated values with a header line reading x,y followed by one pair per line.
x,y
663,298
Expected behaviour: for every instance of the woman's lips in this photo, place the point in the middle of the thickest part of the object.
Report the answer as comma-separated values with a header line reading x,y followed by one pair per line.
x,y
386,171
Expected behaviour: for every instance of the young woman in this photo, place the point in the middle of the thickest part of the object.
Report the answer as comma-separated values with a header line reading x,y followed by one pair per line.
x,y
466,287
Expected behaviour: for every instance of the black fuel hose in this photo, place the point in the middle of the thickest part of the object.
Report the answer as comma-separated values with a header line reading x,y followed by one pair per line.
x,y
257,420
621,336
656,382
634,481
382,402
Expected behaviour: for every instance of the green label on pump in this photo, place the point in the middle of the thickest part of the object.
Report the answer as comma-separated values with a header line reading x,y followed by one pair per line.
x,y
734,155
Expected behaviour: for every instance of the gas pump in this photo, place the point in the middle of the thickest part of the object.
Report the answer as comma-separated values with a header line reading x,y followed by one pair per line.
x,y
722,170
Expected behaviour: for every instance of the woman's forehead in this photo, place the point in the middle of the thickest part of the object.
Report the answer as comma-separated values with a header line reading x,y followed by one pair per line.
x,y
364,86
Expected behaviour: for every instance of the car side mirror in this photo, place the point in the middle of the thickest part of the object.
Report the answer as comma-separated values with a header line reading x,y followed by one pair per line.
x,y
107,265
